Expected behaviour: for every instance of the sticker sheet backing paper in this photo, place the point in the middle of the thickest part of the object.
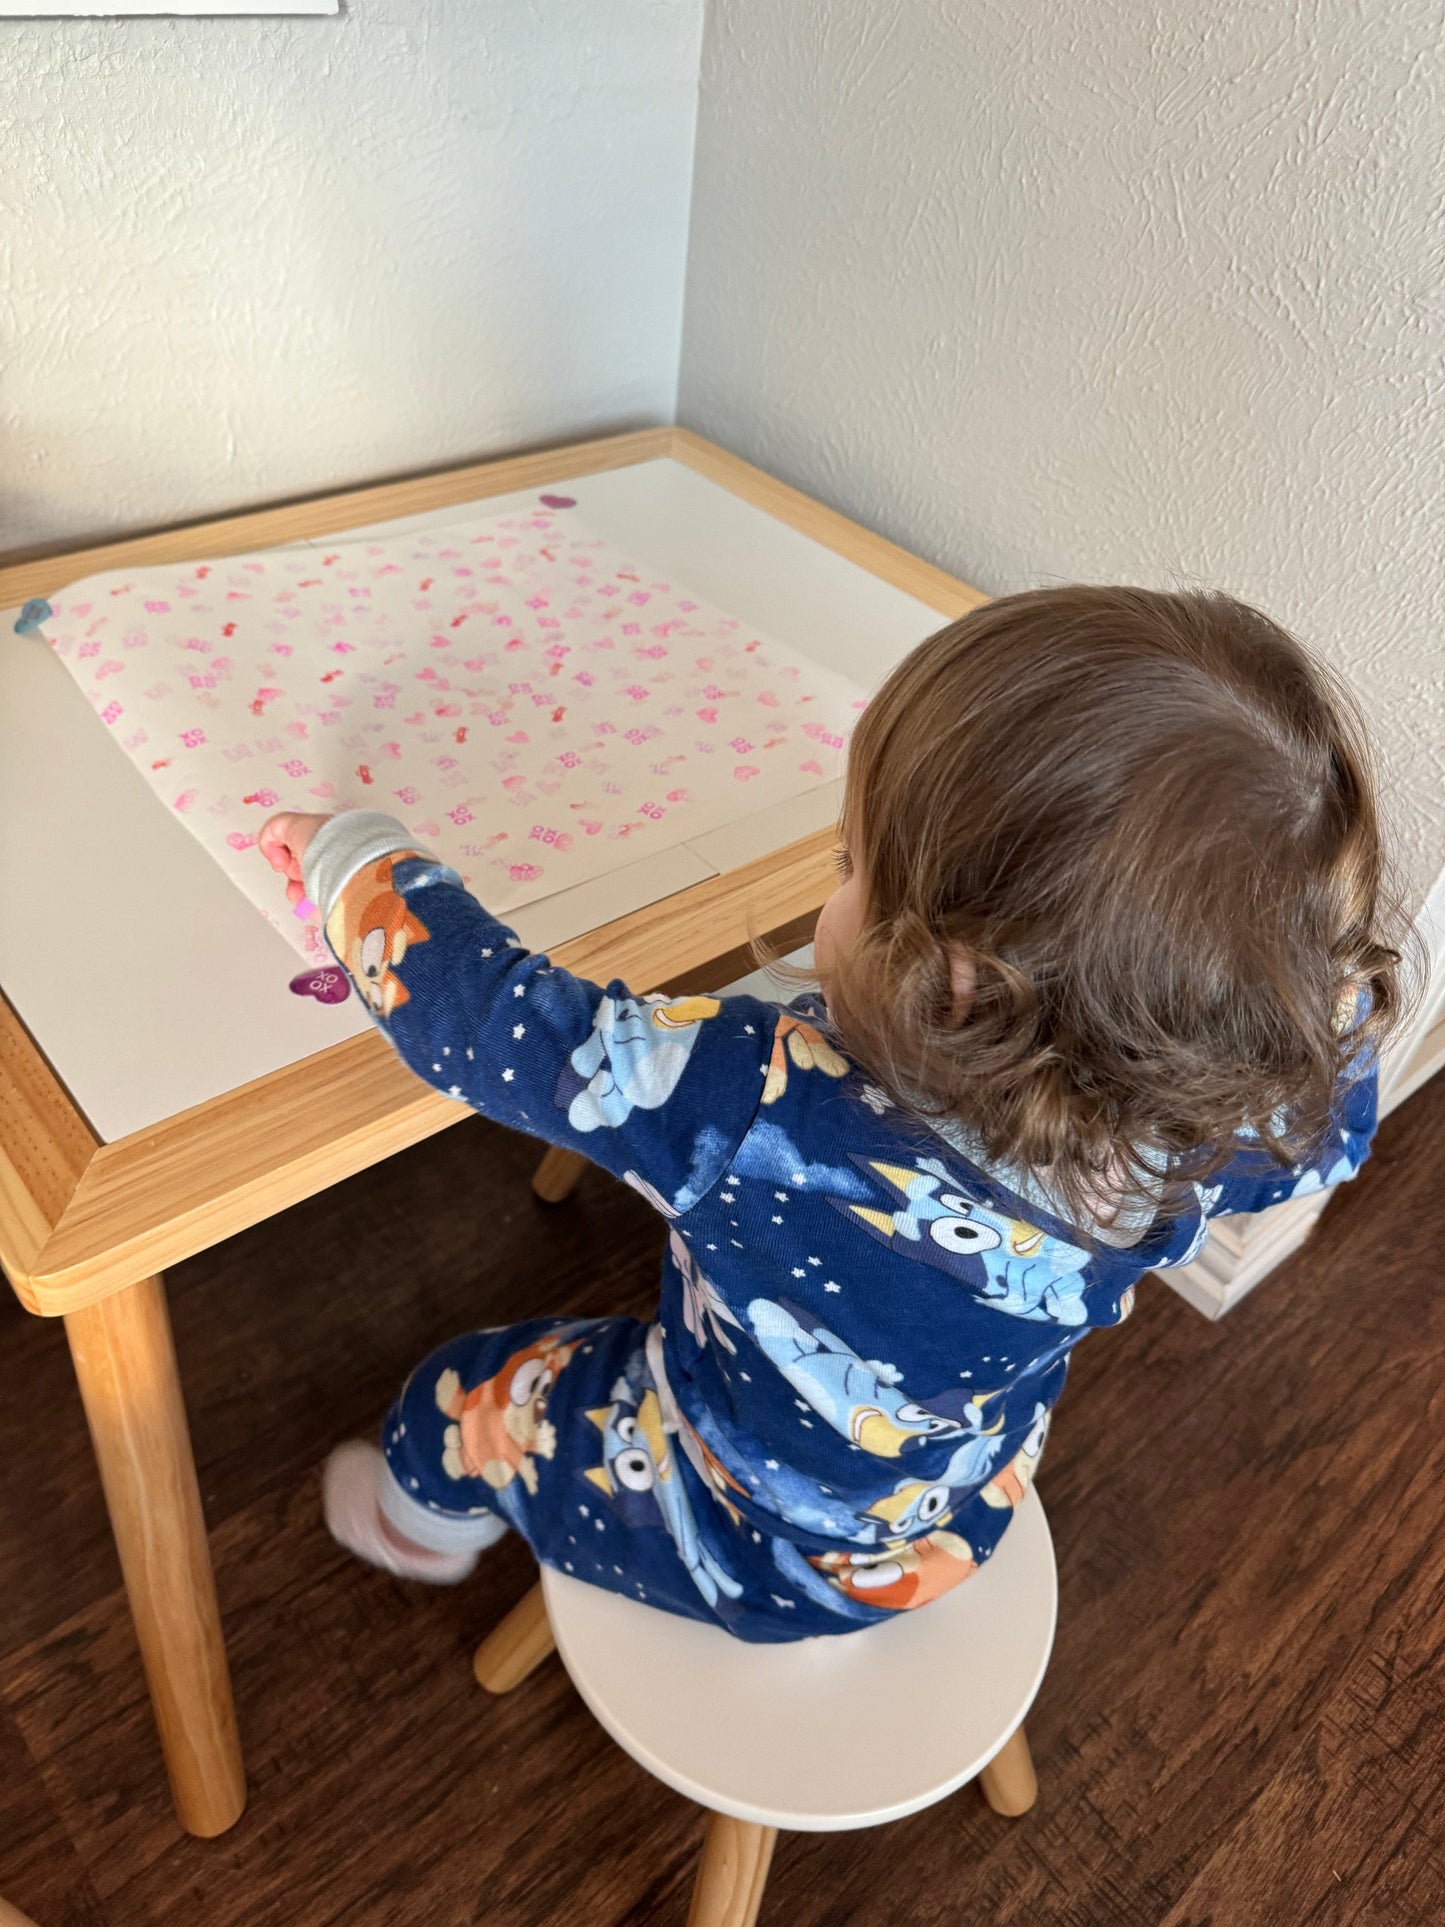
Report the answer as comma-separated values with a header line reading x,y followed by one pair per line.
x,y
536,705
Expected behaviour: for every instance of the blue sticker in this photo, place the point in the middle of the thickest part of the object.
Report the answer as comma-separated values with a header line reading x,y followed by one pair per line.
x,y
36,611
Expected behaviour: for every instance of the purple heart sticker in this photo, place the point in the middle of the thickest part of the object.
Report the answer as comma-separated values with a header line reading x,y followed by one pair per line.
x,y
326,986
559,501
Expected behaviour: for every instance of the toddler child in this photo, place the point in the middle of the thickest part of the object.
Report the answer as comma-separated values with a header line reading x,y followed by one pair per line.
x,y
1108,959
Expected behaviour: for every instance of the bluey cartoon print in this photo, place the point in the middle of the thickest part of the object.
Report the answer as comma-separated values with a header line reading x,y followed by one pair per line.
x,y
900,1577
370,929
1013,1266
808,1050
500,1428
640,1476
637,1050
862,1399
1007,1488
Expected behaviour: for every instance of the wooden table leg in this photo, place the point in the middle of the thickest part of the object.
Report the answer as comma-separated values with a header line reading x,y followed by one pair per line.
x,y
557,1174
1008,1780
732,1873
125,1361
517,1647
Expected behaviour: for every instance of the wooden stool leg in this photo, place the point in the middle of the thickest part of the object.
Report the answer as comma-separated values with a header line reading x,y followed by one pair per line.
x,y
125,1362
732,1873
517,1647
1008,1780
556,1176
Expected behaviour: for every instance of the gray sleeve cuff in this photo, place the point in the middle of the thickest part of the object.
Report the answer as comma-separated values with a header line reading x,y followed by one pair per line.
x,y
345,844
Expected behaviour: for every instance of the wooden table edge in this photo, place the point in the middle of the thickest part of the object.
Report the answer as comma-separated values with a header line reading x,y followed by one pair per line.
x,y
144,1202
329,514
80,1220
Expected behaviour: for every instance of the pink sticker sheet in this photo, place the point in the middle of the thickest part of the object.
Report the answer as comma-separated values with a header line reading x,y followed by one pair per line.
x,y
535,705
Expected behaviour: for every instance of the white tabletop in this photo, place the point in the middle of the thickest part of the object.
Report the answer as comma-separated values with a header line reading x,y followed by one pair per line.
x,y
152,984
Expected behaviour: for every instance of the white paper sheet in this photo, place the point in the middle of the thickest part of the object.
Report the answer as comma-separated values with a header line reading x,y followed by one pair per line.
x,y
534,704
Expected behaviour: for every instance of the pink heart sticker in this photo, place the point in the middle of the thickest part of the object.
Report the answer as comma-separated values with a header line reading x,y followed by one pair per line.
x,y
327,986
558,501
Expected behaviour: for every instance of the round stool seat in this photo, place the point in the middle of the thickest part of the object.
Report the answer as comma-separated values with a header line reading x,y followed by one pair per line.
x,y
825,1733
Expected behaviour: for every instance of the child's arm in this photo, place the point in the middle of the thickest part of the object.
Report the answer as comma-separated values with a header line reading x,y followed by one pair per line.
x,y
661,1092
1253,1180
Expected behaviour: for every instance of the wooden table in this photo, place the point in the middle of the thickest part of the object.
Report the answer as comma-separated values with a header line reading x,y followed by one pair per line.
x,y
132,1135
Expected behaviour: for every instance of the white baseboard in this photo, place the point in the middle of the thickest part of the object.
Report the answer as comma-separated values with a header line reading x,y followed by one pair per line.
x,y
1241,1251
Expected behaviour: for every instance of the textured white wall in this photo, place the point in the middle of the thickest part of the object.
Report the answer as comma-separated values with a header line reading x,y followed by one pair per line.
x,y
1105,291
241,259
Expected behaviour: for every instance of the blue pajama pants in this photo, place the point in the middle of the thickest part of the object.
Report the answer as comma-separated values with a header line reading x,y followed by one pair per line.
x,y
556,1425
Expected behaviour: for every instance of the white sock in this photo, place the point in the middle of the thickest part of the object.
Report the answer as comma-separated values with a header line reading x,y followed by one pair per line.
x,y
360,1498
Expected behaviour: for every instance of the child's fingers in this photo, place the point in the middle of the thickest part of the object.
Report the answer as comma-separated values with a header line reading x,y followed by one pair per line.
x,y
273,844
278,842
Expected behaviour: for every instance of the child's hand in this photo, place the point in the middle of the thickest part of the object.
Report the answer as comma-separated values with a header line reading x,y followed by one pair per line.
x,y
283,842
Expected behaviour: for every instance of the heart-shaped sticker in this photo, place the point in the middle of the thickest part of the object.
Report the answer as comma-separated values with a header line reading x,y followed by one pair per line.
x,y
327,986
559,501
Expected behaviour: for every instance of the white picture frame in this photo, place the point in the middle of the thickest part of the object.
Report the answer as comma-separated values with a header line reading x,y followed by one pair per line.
x,y
115,9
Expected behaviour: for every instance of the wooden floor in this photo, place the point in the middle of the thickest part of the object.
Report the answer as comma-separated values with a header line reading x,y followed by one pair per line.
x,y
1243,1724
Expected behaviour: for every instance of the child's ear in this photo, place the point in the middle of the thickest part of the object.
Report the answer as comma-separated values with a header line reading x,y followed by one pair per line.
x,y
963,980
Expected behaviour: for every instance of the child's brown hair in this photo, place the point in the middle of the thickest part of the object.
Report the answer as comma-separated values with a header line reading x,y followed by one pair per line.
x,y
1149,822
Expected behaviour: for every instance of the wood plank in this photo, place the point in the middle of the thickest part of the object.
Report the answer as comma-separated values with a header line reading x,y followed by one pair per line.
x,y
947,593
149,1200
329,514
1345,1833
45,1146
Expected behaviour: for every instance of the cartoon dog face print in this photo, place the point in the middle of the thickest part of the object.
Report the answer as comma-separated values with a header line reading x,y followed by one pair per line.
x,y
1008,1487
1013,1266
500,1427
903,1576
370,929
807,1048
637,1051
925,1505
860,1398
628,1473
639,1474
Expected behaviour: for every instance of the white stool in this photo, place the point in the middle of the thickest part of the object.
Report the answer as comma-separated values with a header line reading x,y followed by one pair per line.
x,y
817,1736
